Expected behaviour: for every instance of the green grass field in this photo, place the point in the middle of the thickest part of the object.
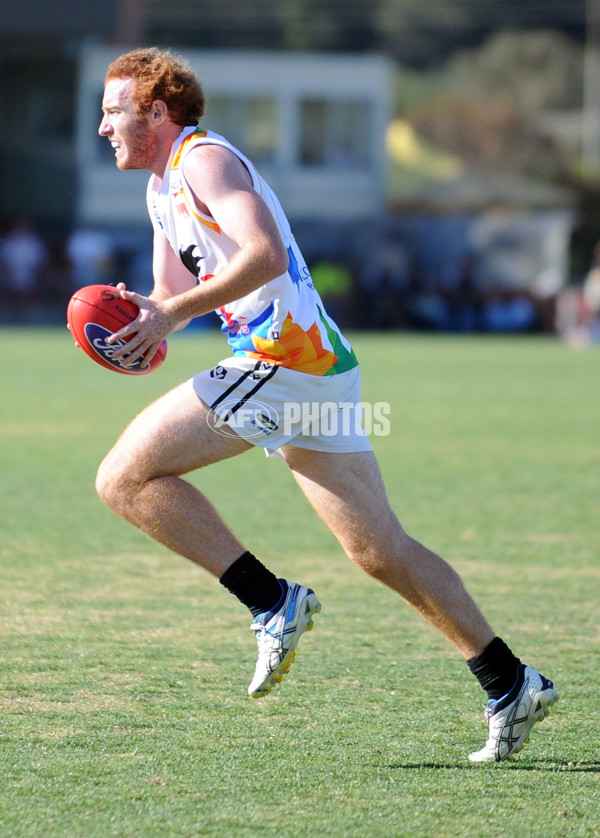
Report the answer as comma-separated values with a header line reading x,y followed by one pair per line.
x,y
124,669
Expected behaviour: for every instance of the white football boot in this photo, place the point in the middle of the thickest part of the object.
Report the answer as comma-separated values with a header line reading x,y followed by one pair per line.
x,y
277,635
511,718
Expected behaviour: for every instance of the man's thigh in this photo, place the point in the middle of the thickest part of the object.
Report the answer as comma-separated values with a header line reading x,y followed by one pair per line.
x,y
346,490
172,436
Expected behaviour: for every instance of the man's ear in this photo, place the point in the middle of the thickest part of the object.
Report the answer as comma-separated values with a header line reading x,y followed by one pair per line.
x,y
159,111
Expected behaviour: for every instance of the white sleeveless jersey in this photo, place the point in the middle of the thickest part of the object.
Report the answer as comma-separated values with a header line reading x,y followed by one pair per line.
x,y
283,322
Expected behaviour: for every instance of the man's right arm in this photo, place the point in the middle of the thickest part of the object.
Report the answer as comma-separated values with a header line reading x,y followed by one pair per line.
x,y
171,277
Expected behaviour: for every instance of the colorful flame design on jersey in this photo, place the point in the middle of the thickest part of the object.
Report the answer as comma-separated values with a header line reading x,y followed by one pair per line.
x,y
296,348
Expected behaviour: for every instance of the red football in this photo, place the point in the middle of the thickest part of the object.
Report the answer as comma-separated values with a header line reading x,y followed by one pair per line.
x,y
97,311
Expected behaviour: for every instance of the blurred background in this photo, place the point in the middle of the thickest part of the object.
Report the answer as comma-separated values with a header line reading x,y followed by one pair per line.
x,y
440,162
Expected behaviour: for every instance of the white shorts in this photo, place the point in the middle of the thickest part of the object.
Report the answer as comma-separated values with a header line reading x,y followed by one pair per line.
x,y
270,406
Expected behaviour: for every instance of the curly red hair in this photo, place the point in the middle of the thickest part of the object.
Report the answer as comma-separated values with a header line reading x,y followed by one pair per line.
x,y
161,74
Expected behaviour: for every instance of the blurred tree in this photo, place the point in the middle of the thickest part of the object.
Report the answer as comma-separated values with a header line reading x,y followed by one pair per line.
x,y
426,33
422,34
490,134
489,102
331,25
538,70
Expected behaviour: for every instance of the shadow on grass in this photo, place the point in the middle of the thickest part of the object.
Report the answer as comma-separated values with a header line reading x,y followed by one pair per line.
x,y
582,767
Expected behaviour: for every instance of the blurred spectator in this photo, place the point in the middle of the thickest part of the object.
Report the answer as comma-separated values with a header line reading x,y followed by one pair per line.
x,y
385,285
22,257
578,308
509,312
334,282
91,255
138,270
591,297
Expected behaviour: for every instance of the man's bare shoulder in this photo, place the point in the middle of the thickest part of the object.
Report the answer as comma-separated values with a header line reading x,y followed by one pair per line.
x,y
207,161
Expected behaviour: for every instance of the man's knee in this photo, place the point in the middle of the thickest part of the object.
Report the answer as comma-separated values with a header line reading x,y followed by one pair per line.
x,y
112,484
104,483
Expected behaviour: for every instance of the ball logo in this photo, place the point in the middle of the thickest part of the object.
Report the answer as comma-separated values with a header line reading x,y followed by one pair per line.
x,y
96,337
109,294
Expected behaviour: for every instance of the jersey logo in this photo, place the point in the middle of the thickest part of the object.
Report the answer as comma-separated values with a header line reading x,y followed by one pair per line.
x,y
262,368
191,258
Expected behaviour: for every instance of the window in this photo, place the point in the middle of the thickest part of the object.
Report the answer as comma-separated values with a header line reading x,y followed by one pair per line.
x,y
334,133
249,123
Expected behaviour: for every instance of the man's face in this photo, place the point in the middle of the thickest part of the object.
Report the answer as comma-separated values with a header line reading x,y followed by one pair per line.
x,y
131,136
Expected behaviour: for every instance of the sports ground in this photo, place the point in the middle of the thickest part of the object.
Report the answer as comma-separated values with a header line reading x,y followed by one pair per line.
x,y
124,669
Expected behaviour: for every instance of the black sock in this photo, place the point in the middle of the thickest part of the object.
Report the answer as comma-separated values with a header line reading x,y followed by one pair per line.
x,y
254,584
495,668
